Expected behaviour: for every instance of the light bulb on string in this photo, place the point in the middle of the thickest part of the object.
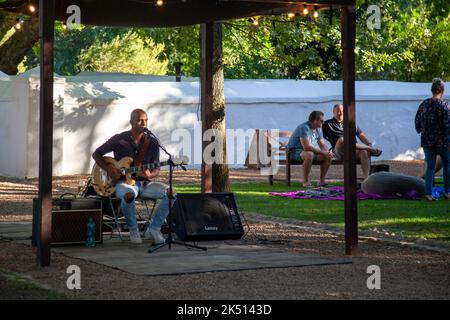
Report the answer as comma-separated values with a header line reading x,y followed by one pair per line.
x,y
305,10
291,15
31,8
316,14
159,3
19,23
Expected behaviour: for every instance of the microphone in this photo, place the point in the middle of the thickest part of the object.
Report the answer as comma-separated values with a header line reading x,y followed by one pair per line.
x,y
148,132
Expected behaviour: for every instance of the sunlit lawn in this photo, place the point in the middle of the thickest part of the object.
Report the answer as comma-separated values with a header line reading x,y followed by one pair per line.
x,y
411,218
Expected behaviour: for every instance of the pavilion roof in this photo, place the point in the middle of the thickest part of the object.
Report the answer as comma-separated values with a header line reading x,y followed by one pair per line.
x,y
145,13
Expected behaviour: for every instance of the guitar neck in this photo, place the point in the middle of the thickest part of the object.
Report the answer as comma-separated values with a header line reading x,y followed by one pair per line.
x,y
143,167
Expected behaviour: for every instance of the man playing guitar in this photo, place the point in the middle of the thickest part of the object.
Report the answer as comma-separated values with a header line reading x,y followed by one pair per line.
x,y
142,147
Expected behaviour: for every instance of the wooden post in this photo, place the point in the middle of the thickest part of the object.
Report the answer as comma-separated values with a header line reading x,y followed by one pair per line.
x,y
348,32
46,30
206,79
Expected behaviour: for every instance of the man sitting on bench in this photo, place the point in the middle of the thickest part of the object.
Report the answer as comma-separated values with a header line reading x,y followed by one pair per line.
x,y
333,131
307,143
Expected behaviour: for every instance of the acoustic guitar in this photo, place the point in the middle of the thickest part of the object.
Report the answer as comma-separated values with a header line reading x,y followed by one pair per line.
x,y
104,185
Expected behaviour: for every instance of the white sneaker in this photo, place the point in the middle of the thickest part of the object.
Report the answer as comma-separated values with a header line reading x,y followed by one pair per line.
x,y
135,237
156,235
147,234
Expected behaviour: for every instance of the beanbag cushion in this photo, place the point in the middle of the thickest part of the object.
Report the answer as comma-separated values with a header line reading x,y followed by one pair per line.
x,y
391,184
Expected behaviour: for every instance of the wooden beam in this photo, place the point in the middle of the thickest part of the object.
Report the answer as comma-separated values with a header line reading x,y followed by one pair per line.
x,y
46,30
141,13
348,32
206,79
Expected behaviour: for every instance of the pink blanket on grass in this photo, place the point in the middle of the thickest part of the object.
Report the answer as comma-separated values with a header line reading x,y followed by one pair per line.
x,y
337,193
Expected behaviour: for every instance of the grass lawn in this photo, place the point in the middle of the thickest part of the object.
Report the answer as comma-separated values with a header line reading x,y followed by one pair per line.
x,y
14,287
410,218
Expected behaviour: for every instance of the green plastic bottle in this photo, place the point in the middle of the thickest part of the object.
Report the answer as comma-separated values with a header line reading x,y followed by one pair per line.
x,y
90,233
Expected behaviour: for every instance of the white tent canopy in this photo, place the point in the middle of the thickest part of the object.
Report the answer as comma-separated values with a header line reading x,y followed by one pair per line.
x,y
91,107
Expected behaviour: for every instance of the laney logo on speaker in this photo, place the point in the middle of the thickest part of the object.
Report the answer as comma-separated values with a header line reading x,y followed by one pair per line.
x,y
211,228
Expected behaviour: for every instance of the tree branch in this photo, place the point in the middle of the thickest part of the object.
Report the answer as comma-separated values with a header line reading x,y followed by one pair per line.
x,y
16,47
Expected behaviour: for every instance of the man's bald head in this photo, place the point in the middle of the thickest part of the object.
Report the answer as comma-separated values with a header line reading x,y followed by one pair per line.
x,y
138,120
136,113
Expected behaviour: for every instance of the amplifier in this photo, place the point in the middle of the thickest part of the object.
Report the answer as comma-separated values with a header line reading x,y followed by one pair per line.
x,y
206,216
69,220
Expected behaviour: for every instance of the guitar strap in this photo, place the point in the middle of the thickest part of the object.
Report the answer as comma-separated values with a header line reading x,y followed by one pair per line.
x,y
142,151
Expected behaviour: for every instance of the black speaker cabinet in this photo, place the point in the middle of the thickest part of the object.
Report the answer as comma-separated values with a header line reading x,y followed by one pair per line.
x,y
206,216
69,220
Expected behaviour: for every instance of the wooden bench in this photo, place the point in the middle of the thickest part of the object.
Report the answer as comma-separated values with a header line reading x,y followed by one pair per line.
x,y
281,139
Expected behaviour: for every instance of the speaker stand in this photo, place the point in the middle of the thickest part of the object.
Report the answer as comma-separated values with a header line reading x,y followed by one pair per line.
x,y
169,240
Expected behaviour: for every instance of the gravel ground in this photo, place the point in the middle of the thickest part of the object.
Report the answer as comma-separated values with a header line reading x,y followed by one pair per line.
x,y
406,272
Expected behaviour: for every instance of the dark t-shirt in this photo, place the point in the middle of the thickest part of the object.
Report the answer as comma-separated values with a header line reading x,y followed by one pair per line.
x,y
333,130
122,145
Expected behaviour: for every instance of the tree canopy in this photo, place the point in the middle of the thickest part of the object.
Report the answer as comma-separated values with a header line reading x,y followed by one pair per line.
x,y
410,45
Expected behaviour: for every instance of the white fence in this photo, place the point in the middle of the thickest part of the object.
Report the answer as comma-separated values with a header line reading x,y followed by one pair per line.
x,y
90,109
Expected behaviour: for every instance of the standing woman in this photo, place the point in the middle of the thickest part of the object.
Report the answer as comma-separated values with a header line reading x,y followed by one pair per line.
x,y
432,122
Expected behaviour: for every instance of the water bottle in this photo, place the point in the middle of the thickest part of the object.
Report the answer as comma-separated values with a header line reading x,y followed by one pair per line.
x,y
90,233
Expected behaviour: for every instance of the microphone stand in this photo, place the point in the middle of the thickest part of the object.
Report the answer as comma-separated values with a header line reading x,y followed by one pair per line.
x,y
169,240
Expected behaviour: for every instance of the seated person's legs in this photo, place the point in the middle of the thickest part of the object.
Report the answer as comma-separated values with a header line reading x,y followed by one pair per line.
x,y
363,154
338,150
324,166
364,157
372,151
157,190
127,194
307,157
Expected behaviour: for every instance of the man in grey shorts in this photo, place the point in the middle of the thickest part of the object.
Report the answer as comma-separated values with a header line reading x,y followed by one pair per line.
x,y
307,143
333,131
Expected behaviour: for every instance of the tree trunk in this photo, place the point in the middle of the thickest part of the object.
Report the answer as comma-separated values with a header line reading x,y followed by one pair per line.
x,y
16,47
220,173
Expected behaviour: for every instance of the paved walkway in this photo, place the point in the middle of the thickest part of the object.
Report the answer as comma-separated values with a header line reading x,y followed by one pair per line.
x,y
229,255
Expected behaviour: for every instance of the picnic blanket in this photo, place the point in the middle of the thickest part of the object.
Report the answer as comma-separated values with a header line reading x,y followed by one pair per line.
x,y
337,193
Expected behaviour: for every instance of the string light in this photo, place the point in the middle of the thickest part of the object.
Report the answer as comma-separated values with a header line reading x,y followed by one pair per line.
x,y
19,23
31,8
291,15
305,10
316,13
159,3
